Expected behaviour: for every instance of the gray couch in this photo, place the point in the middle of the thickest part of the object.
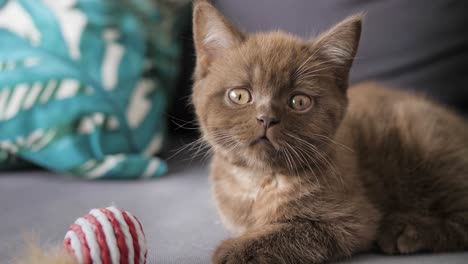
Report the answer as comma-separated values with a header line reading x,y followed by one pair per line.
x,y
176,211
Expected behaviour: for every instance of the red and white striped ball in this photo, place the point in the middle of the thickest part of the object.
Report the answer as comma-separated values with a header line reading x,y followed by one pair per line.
x,y
107,236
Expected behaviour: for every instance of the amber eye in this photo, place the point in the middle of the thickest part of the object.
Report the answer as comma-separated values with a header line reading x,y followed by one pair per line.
x,y
240,96
300,102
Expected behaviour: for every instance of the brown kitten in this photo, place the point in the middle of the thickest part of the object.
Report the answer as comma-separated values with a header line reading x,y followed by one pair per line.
x,y
304,176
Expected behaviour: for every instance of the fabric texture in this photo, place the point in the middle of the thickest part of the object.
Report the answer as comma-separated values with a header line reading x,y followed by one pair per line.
x,y
84,84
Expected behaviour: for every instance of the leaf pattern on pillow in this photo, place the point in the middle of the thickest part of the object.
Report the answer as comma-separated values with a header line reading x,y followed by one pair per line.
x,y
78,89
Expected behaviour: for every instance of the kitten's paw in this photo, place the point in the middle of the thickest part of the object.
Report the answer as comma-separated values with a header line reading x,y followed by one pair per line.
x,y
400,238
236,251
409,241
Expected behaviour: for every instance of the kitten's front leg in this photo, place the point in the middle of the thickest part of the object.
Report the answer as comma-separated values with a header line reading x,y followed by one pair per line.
x,y
292,243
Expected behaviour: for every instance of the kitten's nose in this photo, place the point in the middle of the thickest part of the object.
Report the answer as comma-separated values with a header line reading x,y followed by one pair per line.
x,y
268,121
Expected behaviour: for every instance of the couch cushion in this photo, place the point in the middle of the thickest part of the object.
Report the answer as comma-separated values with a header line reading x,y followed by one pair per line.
x,y
177,213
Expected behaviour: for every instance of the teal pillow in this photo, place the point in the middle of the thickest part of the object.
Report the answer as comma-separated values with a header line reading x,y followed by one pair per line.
x,y
84,85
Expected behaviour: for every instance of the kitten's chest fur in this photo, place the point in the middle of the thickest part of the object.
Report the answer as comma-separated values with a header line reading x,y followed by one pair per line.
x,y
247,198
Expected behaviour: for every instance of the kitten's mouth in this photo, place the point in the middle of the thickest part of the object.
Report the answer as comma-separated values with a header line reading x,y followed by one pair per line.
x,y
263,140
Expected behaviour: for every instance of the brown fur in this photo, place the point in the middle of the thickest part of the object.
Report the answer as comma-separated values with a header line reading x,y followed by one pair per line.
x,y
367,165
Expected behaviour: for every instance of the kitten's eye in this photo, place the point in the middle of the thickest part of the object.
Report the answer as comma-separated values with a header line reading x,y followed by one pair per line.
x,y
240,96
300,102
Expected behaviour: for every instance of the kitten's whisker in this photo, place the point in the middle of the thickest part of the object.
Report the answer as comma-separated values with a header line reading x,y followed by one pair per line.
x,y
198,142
175,120
293,154
288,163
198,154
331,165
322,158
334,142
318,155
189,145
313,159
294,165
200,145
201,148
219,138
225,140
183,126
208,155
309,165
326,140
179,119
304,161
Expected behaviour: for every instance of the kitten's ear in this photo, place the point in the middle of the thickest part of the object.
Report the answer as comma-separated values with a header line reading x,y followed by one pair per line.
x,y
212,32
340,43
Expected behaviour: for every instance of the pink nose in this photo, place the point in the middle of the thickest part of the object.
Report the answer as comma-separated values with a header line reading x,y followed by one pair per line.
x,y
268,121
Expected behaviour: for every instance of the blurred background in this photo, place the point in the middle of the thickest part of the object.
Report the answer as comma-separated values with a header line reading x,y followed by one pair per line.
x,y
99,90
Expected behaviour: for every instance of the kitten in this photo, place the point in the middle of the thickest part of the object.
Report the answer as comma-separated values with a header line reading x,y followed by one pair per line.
x,y
305,170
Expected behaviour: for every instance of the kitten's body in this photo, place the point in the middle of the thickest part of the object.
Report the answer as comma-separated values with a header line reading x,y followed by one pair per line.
x,y
387,166
412,158
408,171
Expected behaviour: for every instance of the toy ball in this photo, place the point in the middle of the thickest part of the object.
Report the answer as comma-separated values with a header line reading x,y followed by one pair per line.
x,y
107,236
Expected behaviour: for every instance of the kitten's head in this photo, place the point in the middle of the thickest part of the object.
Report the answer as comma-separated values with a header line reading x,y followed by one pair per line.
x,y
268,100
